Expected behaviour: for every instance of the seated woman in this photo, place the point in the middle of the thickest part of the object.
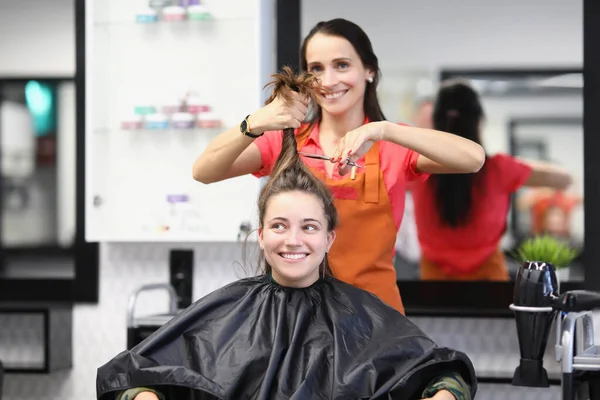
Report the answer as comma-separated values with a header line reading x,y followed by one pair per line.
x,y
293,332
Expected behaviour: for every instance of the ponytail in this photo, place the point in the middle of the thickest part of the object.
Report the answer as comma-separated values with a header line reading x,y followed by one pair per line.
x,y
289,173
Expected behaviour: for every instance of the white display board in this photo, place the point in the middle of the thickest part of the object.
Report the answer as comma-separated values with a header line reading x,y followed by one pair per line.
x,y
163,78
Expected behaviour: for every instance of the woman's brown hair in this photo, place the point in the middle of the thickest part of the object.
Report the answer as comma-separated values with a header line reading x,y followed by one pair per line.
x,y
289,173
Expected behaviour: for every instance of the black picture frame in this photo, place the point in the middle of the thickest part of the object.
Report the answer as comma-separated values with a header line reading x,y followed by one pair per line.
x,y
84,287
491,299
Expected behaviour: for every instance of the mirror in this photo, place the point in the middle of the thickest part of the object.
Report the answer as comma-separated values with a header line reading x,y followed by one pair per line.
x,y
37,223
528,77
537,115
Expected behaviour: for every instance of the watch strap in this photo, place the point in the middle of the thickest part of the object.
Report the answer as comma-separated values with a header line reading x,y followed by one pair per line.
x,y
247,130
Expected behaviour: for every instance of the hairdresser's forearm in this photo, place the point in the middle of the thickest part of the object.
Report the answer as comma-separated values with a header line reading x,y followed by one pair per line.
x,y
452,153
219,155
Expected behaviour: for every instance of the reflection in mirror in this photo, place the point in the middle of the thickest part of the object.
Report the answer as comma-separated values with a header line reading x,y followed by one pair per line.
x,y
538,211
517,74
38,177
535,116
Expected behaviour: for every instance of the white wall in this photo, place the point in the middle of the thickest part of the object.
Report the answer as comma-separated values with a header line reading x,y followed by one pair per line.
x,y
37,38
462,33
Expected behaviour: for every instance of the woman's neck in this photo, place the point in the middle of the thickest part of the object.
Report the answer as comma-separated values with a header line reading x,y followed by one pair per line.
x,y
336,126
304,283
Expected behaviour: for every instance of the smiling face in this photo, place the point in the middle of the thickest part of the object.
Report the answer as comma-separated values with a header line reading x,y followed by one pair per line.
x,y
294,237
343,76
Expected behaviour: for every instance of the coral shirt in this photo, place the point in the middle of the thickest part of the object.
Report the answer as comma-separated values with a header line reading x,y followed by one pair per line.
x,y
398,165
464,249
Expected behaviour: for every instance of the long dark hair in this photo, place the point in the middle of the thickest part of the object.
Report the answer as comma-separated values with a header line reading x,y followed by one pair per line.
x,y
289,173
362,45
457,110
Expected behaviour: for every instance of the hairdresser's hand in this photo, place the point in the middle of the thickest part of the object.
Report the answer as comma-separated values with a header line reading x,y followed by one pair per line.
x,y
146,396
442,395
280,114
356,143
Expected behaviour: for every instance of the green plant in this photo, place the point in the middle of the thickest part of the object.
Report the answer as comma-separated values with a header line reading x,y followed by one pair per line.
x,y
546,249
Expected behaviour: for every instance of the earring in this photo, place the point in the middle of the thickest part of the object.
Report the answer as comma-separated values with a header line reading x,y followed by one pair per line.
x,y
370,79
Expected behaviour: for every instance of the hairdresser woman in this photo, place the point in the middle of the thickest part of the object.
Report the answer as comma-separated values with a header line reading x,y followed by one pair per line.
x,y
348,122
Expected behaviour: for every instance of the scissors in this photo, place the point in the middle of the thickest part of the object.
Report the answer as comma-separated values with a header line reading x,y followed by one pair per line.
x,y
330,159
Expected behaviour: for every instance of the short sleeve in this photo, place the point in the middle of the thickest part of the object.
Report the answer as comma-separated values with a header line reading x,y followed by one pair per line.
x,y
269,146
511,173
410,165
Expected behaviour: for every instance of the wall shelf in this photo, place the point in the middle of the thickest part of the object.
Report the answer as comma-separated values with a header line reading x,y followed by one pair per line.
x,y
139,184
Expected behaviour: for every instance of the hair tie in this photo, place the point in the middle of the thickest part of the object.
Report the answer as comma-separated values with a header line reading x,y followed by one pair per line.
x,y
452,113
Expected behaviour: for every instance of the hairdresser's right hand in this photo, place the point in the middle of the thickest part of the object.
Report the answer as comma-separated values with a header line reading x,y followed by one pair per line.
x,y
280,114
146,396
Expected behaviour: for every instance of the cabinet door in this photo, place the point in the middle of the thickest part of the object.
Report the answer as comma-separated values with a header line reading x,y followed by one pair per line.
x,y
161,83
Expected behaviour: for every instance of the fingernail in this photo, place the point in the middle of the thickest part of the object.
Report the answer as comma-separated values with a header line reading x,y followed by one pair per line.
x,y
349,152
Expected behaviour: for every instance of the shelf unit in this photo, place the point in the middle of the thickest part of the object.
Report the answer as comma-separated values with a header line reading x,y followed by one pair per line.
x,y
139,181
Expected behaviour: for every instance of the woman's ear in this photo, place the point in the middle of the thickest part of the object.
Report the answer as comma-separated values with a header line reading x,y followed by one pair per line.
x,y
370,75
260,238
330,239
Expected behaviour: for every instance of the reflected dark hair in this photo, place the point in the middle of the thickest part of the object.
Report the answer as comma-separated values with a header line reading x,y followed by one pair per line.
x,y
457,110
362,45
289,173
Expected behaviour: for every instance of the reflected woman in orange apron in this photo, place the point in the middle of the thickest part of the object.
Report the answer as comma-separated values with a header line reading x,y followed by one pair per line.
x,y
347,124
461,218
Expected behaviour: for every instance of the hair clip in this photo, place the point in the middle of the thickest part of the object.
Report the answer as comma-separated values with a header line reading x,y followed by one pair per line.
x,y
452,113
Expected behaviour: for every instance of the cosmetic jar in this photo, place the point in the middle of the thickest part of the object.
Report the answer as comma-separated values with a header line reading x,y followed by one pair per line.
x,y
145,109
208,120
133,122
172,108
156,121
146,16
198,12
182,120
194,106
174,13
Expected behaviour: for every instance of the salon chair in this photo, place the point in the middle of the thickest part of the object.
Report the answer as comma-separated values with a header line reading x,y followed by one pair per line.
x,y
537,305
139,328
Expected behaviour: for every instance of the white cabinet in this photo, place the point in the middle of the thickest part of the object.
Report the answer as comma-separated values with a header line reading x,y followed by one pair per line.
x,y
156,94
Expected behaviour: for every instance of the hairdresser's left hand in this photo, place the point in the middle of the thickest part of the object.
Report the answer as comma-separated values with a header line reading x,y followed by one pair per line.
x,y
357,143
442,395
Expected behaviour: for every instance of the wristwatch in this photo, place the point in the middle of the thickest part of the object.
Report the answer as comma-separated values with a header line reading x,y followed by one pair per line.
x,y
244,128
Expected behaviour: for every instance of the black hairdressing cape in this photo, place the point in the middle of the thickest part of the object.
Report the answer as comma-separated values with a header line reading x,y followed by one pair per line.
x,y
254,339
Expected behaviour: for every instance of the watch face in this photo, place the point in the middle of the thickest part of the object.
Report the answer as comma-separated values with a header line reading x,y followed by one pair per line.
x,y
243,126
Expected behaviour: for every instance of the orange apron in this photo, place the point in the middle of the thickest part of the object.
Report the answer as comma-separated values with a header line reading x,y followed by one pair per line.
x,y
363,251
493,269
